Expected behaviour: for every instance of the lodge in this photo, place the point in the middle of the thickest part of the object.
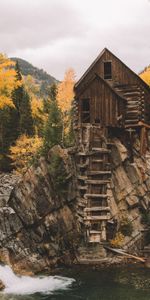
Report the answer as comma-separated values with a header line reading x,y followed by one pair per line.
x,y
110,100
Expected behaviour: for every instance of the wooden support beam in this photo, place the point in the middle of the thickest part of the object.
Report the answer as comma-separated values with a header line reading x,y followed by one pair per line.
x,y
97,160
97,218
96,195
118,251
132,112
99,173
132,121
80,177
82,187
101,150
94,231
97,182
81,154
99,208
144,124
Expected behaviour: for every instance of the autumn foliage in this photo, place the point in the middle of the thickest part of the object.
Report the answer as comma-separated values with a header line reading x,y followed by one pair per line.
x,y
27,121
23,151
65,91
145,75
7,81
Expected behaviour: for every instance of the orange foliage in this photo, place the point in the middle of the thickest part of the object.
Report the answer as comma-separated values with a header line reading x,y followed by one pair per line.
x,y
37,107
65,91
146,75
23,151
118,240
7,81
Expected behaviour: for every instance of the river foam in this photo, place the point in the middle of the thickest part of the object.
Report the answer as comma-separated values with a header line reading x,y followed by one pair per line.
x,y
26,285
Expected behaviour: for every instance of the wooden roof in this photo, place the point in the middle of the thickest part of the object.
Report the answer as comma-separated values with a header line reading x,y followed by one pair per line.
x,y
98,58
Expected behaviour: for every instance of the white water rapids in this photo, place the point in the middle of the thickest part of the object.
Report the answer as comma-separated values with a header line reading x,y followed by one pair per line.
x,y
26,285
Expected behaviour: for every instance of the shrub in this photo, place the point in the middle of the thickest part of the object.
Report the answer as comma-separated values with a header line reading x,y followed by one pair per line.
x,y
118,240
126,227
145,219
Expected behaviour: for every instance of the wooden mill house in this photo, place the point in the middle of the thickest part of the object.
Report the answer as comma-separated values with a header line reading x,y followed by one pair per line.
x,y
110,100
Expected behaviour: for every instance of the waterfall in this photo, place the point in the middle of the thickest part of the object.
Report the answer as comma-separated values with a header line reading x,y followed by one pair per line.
x,y
22,285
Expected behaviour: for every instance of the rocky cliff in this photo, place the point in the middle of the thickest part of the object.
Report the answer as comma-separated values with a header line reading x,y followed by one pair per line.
x,y
129,192
38,227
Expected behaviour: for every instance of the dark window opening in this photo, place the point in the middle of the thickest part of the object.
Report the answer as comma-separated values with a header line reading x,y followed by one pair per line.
x,y
107,70
95,226
85,111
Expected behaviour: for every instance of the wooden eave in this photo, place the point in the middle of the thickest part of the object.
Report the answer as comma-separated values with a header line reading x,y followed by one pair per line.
x,y
96,76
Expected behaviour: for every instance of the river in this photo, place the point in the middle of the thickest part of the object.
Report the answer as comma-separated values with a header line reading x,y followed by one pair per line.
x,y
128,283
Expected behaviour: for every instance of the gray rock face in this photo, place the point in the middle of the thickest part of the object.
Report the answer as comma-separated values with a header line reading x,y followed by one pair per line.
x,y
38,228
7,182
130,188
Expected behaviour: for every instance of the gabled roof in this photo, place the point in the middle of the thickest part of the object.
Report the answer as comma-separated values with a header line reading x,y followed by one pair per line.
x,y
97,59
96,76
90,67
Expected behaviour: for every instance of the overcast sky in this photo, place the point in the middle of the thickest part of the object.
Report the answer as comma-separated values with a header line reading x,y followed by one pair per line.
x,y
58,34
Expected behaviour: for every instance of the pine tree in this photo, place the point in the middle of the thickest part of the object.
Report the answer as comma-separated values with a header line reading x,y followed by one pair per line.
x,y
26,120
53,127
17,96
53,92
18,92
22,115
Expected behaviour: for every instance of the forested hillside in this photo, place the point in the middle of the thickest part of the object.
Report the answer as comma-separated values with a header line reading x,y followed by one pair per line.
x,y
31,122
40,77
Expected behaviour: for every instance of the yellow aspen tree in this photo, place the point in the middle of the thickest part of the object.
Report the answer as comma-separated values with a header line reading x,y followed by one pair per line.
x,y
65,96
24,151
65,91
7,81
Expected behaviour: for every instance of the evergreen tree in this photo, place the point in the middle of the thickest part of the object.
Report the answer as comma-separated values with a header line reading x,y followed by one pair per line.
x,y
53,127
53,92
17,96
22,115
18,92
26,120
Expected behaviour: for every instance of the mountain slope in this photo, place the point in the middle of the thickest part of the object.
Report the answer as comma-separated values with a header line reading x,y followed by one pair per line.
x,y
42,78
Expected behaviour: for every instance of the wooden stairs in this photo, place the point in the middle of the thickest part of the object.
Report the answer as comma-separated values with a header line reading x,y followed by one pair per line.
x,y
93,177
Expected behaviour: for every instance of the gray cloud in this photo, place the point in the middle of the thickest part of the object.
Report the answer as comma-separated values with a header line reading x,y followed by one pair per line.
x,y
32,24
57,34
